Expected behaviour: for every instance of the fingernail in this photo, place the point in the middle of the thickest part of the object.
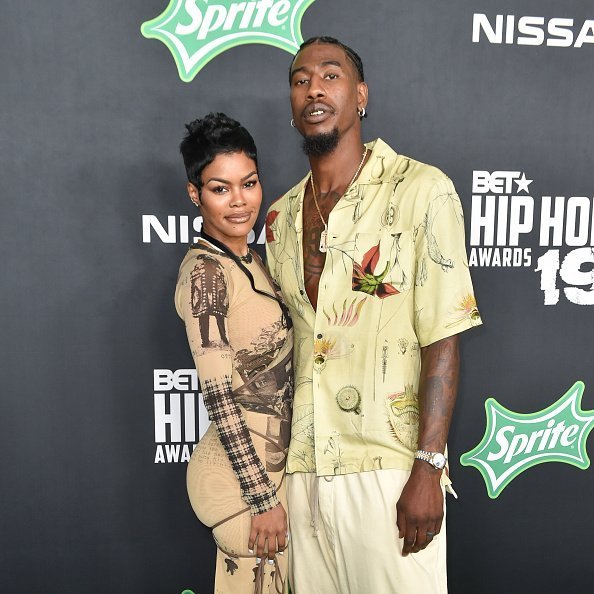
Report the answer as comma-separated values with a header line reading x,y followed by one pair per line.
x,y
281,552
270,561
251,551
258,559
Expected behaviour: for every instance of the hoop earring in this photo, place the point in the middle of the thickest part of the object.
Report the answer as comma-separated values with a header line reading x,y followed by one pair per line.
x,y
292,123
362,112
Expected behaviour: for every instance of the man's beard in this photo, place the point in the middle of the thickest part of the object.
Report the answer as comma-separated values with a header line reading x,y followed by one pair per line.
x,y
320,144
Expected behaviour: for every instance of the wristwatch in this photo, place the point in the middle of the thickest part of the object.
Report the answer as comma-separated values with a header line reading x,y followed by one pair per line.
x,y
436,459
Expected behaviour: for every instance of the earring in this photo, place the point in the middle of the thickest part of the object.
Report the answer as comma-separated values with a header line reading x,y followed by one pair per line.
x,y
362,112
292,123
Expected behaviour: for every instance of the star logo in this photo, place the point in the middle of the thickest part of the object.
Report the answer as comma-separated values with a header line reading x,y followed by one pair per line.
x,y
523,183
196,31
514,442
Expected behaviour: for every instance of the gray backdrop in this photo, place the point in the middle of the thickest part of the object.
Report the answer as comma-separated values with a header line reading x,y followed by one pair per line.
x,y
92,115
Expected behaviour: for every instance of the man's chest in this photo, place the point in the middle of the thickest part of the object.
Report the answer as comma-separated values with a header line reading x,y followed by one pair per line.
x,y
316,215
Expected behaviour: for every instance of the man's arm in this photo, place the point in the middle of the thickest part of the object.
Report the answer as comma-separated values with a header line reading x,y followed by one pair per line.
x,y
420,507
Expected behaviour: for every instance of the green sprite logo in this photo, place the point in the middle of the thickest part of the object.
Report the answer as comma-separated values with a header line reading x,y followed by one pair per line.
x,y
514,442
195,31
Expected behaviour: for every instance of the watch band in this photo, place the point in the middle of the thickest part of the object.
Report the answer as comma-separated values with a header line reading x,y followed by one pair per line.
x,y
436,459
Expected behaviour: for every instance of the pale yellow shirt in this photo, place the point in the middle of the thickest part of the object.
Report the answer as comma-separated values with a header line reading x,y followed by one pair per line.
x,y
396,279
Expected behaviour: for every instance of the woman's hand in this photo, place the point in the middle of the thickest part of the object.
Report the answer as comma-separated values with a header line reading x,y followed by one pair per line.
x,y
269,526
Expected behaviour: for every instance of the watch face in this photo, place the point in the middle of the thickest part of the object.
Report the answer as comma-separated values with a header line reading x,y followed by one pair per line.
x,y
438,460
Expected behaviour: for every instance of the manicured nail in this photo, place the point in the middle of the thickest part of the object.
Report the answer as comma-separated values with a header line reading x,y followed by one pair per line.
x,y
258,559
251,551
270,561
281,552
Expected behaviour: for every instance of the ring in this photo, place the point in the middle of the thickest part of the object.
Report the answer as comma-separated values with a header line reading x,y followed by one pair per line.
x,y
430,534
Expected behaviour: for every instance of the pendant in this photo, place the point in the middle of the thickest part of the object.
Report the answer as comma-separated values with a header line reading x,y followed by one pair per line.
x,y
324,241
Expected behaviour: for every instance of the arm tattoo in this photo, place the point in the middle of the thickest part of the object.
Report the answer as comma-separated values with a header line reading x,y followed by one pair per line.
x,y
440,363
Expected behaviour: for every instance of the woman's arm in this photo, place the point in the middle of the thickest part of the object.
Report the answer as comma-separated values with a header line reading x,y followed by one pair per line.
x,y
204,303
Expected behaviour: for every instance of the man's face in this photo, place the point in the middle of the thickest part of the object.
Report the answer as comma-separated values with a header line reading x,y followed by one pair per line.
x,y
325,91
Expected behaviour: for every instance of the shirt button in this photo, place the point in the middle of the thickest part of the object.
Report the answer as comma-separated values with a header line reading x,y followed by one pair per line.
x,y
319,336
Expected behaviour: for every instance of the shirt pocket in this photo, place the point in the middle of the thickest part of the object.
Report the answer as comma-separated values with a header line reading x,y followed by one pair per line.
x,y
383,263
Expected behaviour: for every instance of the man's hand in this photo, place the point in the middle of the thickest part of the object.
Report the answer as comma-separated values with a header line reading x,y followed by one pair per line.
x,y
420,507
269,527
419,511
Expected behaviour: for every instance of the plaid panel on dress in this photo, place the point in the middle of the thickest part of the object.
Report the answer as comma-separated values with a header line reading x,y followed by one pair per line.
x,y
257,490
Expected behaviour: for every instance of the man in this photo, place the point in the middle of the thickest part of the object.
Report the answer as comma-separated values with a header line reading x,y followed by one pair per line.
x,y
369,252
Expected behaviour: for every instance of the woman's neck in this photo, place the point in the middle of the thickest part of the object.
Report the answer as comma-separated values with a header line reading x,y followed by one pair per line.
x,y
237,246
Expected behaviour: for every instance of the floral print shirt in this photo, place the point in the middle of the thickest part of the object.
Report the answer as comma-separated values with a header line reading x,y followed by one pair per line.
x,y
396,279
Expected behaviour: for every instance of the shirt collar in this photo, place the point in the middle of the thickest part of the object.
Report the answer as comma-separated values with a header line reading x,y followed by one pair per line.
x,y
373,172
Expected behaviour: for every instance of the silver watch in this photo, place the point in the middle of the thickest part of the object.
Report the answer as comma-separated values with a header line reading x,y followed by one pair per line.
x,y
436,459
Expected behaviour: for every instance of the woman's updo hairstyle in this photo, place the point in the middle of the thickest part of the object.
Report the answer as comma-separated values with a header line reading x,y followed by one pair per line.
x,y
210,136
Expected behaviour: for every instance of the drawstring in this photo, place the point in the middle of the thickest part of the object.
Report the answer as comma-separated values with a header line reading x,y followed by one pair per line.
x,y
259,577
314,505
278,580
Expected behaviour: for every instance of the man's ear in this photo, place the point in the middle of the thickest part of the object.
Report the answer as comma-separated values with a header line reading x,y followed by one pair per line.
x,y
193,193
362,95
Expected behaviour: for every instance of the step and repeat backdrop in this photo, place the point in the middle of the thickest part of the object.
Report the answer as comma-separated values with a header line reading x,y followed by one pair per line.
x,y
100,407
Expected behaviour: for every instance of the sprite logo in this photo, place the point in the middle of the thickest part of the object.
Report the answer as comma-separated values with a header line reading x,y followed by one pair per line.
x,y
195,31
514,442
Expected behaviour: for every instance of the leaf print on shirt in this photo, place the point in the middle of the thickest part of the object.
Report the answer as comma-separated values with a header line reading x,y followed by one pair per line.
x,y
334,449
403,412
433,250
330,348
302,438
465,310
349,316
365,279
270,218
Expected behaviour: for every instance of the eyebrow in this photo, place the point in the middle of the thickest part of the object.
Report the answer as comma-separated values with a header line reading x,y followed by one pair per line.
x,y
324,63
226,181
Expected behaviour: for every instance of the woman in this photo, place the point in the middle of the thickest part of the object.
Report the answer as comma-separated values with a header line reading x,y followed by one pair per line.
x,y
240,336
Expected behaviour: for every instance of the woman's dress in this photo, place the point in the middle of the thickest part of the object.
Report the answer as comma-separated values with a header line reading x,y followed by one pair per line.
x,y
242,347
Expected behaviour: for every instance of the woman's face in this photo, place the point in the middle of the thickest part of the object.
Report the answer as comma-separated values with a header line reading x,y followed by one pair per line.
x,y
230,198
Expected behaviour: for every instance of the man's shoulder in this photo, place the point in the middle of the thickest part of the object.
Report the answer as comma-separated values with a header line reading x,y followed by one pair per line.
x,y
402,166
280,203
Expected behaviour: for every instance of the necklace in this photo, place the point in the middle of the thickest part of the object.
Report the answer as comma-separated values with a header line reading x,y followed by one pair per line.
x,y
324,235
221,247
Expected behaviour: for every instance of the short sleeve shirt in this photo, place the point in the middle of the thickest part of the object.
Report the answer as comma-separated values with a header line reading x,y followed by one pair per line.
x,y
395,279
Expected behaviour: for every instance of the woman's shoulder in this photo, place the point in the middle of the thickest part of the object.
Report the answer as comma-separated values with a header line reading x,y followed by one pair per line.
x,y
203,263
203,269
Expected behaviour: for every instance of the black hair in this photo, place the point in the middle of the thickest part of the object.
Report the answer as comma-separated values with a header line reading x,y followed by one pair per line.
x,y
352,55
214,134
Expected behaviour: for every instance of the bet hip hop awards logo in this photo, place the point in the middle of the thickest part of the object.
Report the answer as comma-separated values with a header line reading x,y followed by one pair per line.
x,y
180,416
196,31
506,211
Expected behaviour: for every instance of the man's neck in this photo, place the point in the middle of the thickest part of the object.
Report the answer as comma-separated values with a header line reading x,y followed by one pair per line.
x,y
333,172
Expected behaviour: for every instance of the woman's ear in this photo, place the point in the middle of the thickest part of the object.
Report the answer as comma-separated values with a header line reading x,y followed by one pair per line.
x,y
193,193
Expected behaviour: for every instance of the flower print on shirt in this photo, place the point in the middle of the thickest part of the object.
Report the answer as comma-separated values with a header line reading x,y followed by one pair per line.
x,y
366,281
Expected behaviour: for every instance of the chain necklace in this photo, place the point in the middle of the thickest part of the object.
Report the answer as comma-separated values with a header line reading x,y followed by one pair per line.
x,y
324,235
